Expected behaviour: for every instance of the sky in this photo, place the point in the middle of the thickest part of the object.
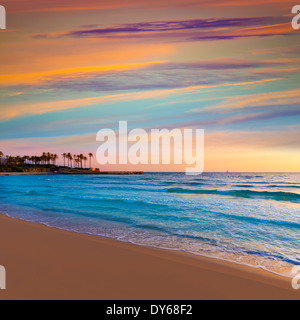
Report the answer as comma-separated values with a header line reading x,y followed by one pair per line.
x,y
71,68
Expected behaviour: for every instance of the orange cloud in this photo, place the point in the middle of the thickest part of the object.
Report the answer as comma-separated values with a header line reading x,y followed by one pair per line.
x,y
279,29
36,59
259,100
40,77
78,5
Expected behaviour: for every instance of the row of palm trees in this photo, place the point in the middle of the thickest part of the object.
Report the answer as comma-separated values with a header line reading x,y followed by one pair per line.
x,y
47,158
76,160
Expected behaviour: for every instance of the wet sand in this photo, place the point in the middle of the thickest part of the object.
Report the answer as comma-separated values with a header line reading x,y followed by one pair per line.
x,y
46,263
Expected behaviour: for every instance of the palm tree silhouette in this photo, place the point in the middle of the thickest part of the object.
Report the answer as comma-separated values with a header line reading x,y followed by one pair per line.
x,y
44,158
64,156
69,157
91,156
85,160
54,157
75,160
47,161
80,157
71,160
1,155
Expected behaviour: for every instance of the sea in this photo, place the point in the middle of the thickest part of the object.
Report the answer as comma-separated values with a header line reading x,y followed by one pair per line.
x,y
251,219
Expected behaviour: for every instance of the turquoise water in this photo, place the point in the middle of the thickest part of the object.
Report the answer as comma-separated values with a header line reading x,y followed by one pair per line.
x,y
248,218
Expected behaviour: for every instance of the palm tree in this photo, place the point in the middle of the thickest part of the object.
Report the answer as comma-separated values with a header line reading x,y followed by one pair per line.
x,y
54,157
85,160
69,157
26,159
71,160
44,158
81,157
1,155
48,158
64,156
75,160
35,160
91,156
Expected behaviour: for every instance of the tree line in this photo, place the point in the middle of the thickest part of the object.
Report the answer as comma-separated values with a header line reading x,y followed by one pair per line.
x,y
47,159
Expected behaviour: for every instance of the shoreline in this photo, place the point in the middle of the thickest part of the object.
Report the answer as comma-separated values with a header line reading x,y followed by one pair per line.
x,y
117,173
64,265
25,173
179,251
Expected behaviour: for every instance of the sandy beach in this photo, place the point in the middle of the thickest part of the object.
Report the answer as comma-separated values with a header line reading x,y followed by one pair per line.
x,y
46,263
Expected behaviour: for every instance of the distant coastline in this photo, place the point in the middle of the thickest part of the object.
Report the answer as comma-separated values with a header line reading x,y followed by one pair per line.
x,y
46,164
73,173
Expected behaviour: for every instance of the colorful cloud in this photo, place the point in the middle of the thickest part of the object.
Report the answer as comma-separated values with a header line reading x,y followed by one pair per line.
x,y
71,68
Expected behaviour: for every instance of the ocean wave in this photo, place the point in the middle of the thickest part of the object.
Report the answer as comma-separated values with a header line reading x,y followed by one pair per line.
x,y
283,186
251,177
157,210
278,196
136,202
243,186
259,221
